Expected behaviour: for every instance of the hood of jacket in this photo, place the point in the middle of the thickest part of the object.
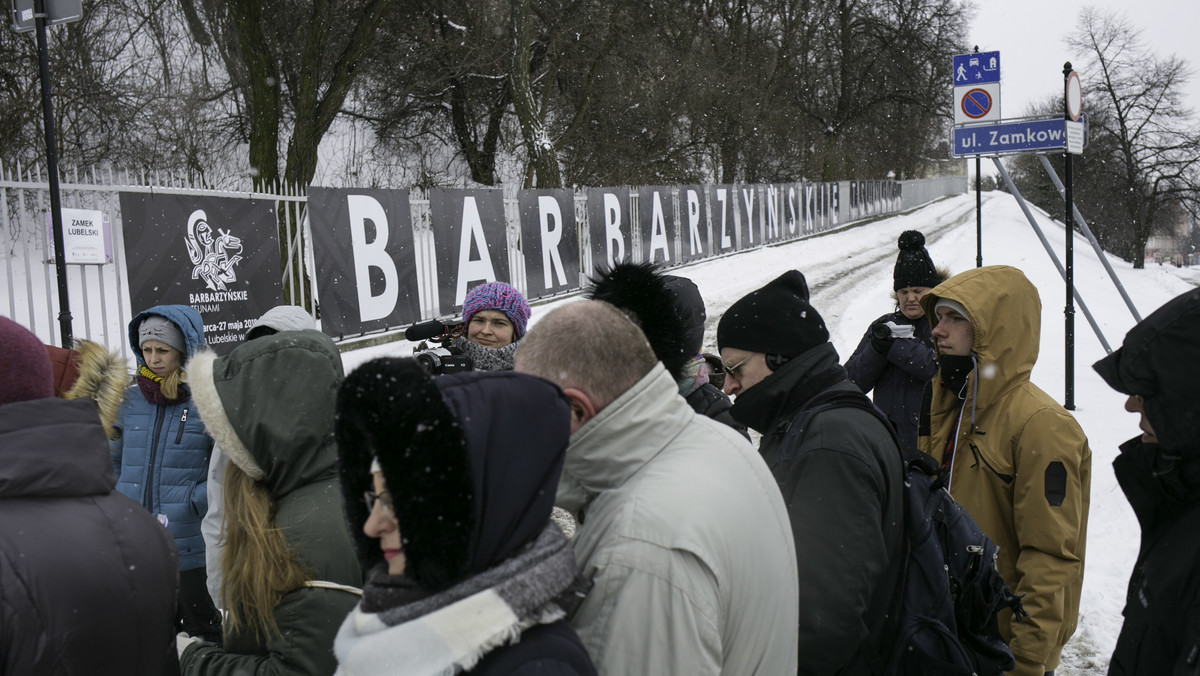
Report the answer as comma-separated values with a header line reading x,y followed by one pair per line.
x,y
269,406
284,318
185,317
471,460
52,447
1006,314
1160,361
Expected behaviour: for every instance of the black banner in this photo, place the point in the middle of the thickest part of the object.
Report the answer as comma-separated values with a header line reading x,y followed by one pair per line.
x,y
550,241
219,255
364,253
695,235
609,224
656,221
750,226
471,240
723,199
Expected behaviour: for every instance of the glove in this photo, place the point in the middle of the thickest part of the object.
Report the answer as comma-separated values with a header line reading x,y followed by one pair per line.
x,y
182,641
881,338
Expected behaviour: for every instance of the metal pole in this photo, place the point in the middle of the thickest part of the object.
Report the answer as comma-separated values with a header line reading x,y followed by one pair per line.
x,y
60,257
1069,311
1079,220
1012,189
978,218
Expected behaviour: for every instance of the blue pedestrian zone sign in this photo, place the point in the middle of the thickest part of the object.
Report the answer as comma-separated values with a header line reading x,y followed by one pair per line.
x,y
1037,135
978,68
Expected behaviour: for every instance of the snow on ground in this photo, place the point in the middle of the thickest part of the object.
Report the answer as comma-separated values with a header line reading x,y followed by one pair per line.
x,y
850,274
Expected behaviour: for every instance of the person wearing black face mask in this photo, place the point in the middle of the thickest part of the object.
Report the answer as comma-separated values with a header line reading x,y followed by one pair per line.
x,y
1013,457
1159,471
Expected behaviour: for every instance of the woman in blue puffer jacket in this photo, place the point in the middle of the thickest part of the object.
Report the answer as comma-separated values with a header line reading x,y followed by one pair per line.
x,y
162,450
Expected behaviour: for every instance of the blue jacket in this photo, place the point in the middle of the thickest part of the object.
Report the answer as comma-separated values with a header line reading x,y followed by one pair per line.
x,y
161,454
898,378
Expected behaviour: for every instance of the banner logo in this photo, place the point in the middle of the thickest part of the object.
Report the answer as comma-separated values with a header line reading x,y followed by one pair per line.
x,y
213,258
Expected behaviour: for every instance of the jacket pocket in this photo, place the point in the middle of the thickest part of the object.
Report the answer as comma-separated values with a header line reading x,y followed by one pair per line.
x,y
986,457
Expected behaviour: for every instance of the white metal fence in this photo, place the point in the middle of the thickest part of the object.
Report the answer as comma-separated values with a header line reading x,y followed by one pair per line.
x,y
99,294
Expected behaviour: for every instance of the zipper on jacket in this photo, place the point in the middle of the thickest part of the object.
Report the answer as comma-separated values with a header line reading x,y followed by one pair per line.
x,y
148,490
182,420
1006,478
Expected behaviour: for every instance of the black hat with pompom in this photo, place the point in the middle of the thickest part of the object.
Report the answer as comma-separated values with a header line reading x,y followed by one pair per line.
x,y
913,265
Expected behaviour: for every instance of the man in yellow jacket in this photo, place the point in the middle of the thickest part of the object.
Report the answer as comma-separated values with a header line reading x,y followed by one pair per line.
x,y
1017,461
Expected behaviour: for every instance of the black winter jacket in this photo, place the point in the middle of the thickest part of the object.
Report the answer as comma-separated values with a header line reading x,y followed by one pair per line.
x,y
87,577
842,482
897,378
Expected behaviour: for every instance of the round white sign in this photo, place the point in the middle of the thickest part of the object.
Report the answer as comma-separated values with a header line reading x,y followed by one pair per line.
x,y
1074,96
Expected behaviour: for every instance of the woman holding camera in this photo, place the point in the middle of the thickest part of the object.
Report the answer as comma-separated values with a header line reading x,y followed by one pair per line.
x,y
494,319
895,357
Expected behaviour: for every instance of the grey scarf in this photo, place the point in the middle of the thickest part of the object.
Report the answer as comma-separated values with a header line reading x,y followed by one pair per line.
x,y
486,358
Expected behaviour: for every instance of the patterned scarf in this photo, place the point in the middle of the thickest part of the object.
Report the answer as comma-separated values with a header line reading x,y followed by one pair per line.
x,y
486,358
450,631
695,375
150,385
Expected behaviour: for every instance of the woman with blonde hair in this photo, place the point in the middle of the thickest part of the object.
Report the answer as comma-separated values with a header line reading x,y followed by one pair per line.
x,y
160,450
289,571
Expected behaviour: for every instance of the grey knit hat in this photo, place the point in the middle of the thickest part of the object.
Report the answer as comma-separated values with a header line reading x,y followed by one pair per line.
x,y
158,327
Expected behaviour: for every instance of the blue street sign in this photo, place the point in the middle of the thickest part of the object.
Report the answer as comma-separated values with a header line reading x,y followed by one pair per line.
x,y
1009,137
973,69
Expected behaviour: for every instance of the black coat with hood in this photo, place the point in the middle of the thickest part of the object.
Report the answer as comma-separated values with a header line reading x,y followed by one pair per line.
x,y
897,378
87,577
841,480
472,462
1160,361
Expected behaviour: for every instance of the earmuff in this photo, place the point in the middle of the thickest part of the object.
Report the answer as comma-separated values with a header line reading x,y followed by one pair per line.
x,y
774,361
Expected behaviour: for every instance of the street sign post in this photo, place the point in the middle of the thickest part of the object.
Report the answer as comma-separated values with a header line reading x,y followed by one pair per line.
x,y
57,11
976,69
1033,135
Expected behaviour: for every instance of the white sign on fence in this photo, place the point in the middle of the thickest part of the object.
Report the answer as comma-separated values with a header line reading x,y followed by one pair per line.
x,y
86,237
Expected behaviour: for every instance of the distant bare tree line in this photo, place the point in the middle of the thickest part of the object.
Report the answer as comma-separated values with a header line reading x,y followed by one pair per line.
x,y
536,93
1140,172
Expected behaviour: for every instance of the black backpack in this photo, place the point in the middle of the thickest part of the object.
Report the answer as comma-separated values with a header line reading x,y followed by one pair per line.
x,y
944,608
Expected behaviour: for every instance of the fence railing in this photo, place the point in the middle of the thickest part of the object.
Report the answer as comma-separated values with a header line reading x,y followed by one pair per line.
x,y
99,293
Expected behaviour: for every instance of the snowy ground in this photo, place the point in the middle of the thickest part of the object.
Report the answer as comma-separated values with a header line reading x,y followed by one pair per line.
x,y
850,274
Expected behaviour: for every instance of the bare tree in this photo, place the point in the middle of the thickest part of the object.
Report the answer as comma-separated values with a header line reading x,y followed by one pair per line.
x,y
1146,145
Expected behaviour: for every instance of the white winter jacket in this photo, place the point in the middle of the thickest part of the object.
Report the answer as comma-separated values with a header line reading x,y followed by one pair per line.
x,y
686,539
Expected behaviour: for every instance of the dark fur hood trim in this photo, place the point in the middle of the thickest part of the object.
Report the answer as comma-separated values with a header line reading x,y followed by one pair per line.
x,y
668,309
390,409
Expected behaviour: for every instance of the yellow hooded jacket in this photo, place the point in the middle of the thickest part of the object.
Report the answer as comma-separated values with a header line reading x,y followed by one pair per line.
x,y
1021,465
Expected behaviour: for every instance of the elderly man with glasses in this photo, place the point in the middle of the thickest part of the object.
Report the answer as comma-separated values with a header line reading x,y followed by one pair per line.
x,y
837,464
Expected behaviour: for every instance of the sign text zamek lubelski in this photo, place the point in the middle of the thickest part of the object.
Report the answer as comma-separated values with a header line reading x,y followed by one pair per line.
x,y
1009,137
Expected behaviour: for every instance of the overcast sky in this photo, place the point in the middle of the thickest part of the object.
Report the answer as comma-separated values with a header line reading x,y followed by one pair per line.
x,y
1029,34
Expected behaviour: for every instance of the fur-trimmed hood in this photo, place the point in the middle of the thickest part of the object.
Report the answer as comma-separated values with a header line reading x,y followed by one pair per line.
x,y
472,462
269,405
101,377
669,309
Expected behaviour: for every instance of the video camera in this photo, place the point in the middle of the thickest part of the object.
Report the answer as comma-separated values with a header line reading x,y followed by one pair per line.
x,y
441,358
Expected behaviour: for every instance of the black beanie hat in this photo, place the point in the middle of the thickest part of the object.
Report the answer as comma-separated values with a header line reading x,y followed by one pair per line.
x,y
668,309
913,265
775,319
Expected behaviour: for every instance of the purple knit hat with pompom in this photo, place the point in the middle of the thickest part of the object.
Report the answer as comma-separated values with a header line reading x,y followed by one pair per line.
x,y
498,296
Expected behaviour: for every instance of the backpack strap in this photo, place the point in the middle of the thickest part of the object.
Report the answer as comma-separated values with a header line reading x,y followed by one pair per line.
x,y
324,584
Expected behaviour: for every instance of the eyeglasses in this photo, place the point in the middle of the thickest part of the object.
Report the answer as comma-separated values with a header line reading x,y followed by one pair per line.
x,y
384,498
732,370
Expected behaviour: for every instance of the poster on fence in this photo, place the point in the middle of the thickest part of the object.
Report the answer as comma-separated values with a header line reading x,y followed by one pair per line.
x,y
550,241
656,221
219,255
695,235
470,240
364,252
609,228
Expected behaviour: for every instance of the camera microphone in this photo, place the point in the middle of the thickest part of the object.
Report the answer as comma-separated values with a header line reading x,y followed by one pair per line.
x,y
426,330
